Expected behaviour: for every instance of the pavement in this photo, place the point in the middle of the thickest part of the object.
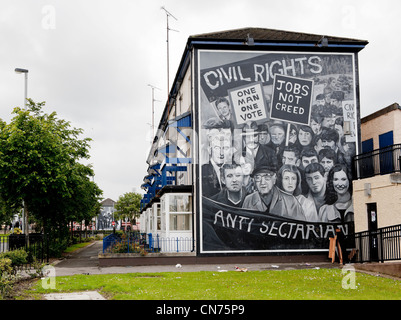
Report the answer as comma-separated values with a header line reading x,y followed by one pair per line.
x,y
85,261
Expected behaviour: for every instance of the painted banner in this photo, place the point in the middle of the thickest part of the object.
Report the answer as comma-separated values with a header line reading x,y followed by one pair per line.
x,y
277,133
231,229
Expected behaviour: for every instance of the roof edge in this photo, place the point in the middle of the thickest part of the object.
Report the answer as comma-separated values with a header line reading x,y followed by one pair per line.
x,y
264,34
388,109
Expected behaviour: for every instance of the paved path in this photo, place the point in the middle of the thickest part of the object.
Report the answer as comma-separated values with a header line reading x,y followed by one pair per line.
x,y
86,261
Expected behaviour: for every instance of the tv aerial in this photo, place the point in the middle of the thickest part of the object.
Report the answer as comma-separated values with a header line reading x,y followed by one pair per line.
x,y
168,14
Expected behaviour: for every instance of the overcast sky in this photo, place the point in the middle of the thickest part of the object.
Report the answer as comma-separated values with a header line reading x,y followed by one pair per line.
x,y
92,61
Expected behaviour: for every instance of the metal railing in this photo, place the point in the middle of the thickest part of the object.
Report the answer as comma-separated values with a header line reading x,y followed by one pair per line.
x,y
384,244
146,243
377,162
35,245
171,244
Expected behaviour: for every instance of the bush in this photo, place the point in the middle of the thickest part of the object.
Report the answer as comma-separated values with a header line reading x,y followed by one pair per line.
x,y
56,248
9,263
124,247
6,277
17,257
5,266
17,231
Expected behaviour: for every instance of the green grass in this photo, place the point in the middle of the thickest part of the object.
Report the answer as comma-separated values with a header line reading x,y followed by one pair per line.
x,y
76,246
306,284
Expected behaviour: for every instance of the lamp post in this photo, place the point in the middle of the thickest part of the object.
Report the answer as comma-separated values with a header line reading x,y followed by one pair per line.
x,y
24,213
24,71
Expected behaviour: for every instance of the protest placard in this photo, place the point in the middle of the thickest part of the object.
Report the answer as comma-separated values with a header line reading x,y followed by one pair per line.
x,y
291,100
248,103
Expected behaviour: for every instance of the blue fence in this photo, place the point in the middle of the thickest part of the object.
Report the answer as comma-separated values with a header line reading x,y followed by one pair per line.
x,y
108,242
114,243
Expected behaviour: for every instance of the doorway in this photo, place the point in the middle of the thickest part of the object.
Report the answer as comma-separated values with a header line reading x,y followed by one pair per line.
x,y
372,225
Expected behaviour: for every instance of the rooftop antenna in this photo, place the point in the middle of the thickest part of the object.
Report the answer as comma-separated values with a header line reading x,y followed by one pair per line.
x,y
153,109
168,14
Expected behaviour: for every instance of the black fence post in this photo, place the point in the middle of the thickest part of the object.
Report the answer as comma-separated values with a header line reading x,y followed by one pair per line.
x,y
381,251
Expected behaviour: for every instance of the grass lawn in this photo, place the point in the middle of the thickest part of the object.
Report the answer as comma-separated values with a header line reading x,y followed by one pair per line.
x,y
303,284
76,246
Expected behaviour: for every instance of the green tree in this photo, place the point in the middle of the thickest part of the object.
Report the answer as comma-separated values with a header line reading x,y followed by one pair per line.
x,y
40,168
128,206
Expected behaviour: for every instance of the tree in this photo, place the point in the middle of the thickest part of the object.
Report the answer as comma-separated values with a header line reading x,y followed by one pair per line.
x,y
40,168
128,206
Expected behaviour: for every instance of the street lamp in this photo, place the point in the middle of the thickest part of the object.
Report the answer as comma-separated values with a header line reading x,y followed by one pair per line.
x,y
25,71
24,213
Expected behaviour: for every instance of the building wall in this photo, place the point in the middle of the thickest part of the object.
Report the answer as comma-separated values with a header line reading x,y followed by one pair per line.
x,y
382,124
396,126
385,193
218,72
385,190
176,133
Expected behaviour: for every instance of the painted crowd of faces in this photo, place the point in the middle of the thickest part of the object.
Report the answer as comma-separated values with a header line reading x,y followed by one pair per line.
x,y
295,147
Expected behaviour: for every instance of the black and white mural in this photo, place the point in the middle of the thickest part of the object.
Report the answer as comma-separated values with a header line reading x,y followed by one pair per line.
x,y
105,218
277,133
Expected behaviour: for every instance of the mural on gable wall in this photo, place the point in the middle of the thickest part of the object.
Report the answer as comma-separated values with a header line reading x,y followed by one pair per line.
x,y
277,133
105,218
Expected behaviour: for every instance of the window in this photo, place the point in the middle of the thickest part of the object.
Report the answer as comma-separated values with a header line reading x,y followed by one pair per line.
x,y
180,222
163,214
150,221
180,207
180,203
158,217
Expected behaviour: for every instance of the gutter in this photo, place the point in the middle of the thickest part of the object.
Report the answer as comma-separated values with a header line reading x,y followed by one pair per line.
x,y
277,44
